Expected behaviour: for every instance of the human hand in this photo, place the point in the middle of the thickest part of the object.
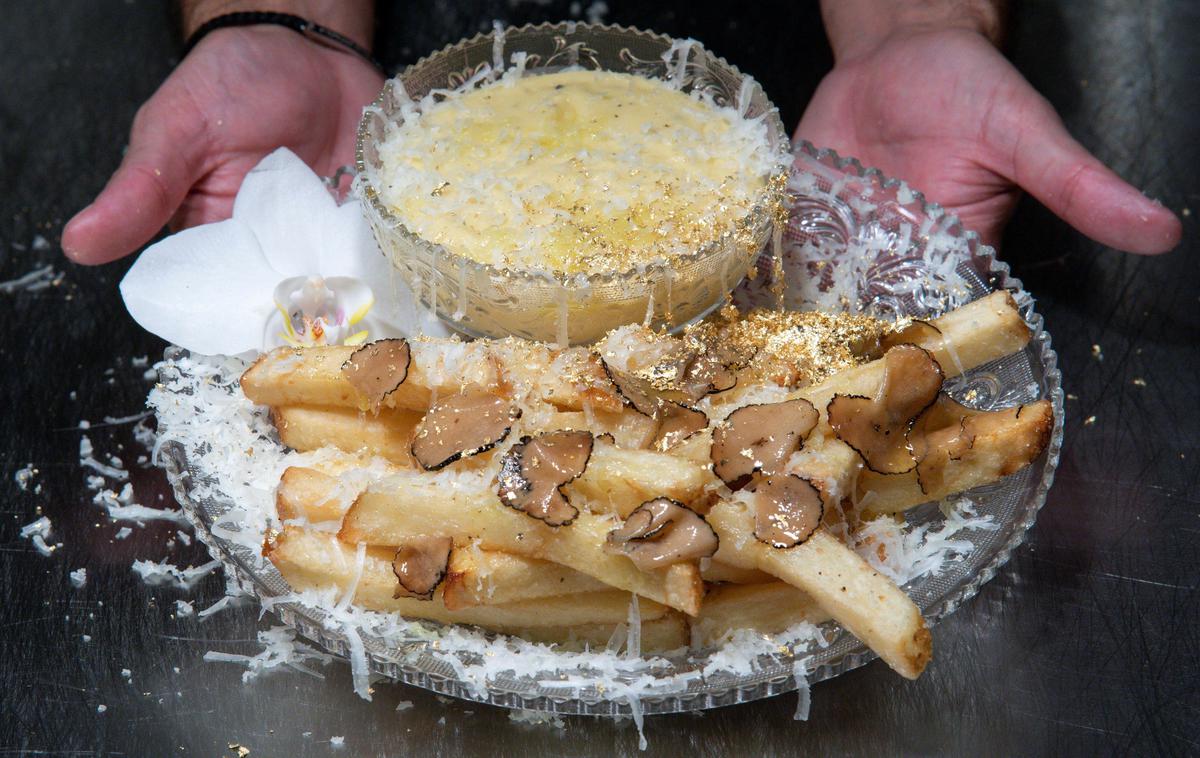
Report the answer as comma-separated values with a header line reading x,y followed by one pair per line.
x,y
945,111
241,93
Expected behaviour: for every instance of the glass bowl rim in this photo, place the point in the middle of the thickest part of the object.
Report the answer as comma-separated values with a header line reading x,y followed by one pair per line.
x,y
767,200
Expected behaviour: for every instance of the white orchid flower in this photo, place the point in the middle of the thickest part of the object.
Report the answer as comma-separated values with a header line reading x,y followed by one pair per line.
x,y
290,267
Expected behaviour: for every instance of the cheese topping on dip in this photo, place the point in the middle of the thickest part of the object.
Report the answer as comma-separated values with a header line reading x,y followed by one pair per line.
x,y
575,171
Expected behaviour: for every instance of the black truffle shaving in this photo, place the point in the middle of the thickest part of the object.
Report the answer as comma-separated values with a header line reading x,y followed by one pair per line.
x,y
675,421
433,452
421,554
760,438
661,532
531,478
878,428
787,510
377,369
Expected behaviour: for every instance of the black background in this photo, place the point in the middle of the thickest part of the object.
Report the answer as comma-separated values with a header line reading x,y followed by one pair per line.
x,y
1086,642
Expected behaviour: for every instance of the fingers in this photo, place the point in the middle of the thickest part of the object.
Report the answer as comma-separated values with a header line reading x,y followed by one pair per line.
x,y
1050,165
165,158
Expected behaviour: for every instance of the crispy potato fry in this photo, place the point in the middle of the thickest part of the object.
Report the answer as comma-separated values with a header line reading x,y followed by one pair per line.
x,y
615,481
487,577
862,600
978,332
1007,442
569,380
406,505
475,577
718,572
313,376
618,481
669,632
767,608
305,493
309,559
388,435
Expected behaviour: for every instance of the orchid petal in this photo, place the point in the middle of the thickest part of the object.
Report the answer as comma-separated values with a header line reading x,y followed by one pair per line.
x,y
206,289
286,205
397,312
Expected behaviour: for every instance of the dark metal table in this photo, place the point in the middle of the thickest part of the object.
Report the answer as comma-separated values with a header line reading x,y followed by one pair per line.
x,y
1087,642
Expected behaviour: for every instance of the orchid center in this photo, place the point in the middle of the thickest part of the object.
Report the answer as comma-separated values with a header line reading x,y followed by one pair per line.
x,y
314,310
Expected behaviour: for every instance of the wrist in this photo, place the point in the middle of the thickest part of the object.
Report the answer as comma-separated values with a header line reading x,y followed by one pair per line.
x,y
856,27
354,19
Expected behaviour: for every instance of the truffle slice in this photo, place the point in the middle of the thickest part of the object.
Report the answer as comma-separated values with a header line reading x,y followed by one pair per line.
x,y
787,510
420,565
675,421
377,368
662,532
760,438
944,433
461,426
635,392
705,372
877,427
533,472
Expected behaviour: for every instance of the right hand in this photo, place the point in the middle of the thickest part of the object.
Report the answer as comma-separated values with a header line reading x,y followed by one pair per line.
x,y
239,95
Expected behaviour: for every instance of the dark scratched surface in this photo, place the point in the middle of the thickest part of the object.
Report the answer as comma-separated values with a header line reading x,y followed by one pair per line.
x,y
1087,642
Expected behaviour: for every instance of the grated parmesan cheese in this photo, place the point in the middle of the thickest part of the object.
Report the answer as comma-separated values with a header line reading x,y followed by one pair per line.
x,y
37,532
279,649
36,280
527,717
156,574
24,476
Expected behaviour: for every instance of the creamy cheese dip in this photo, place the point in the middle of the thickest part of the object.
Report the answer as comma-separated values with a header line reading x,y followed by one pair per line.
x,y
576,171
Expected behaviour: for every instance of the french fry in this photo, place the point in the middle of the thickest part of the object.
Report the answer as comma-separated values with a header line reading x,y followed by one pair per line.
x,y
978,332
474,577
862,600
618,480
309,559
615,481
402,506
670,632
570,380
488,577
313,376
1007,441
718,572
767,608
306,493
388,436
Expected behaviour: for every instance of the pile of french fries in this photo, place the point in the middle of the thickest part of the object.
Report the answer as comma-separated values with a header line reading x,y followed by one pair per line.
x,y
511,572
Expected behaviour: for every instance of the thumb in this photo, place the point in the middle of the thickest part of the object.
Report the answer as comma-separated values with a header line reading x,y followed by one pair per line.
x,y
1050,165
165,158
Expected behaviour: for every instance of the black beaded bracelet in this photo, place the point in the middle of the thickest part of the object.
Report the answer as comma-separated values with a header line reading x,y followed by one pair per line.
x,y
303,26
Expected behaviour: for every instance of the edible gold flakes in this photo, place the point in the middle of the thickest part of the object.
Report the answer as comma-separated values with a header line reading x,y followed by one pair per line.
x,y
797,348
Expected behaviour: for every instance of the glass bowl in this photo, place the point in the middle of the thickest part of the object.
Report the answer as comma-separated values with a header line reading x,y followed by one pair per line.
x,y
907,257
549,306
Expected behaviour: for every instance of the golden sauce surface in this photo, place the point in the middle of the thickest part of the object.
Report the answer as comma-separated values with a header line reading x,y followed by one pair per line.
x,y
576,171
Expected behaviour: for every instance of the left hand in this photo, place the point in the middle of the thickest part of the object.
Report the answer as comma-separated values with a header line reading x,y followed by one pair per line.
x,y
945,111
